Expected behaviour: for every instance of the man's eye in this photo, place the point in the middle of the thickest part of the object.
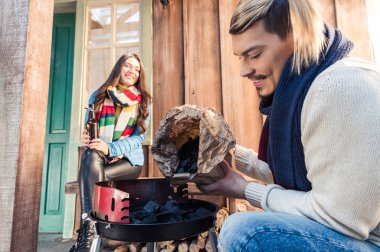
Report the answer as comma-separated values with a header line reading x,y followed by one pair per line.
x,y
255,56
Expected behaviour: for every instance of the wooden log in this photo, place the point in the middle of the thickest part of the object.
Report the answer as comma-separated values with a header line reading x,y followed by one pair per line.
x,y
144,248
134,247
183,246
193,246
208,245
164,244
221,215
172,247
204,234
122,248
200,242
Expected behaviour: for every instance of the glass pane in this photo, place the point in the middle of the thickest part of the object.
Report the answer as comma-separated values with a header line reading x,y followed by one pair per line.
x,y
99,32
98,68
128,23
124,50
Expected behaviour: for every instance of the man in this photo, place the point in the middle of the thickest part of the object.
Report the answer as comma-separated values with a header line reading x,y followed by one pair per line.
x,y
320,144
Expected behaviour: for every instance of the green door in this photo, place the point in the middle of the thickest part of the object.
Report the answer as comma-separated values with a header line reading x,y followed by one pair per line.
x,y
57,124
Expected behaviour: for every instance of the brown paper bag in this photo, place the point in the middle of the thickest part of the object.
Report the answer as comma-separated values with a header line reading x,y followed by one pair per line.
x,y
190,121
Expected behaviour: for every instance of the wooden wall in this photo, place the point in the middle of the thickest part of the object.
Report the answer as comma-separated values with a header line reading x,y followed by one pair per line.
x,y
193,61
25,44
193,64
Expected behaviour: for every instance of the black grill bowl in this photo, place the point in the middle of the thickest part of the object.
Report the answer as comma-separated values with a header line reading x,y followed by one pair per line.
x,y
159,189
160,231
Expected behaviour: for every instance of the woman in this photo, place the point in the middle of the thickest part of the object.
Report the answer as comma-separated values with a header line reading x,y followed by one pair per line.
x,y
122,109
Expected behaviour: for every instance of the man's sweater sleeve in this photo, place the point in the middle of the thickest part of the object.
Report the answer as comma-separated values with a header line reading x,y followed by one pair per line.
x,y
247,162
340,125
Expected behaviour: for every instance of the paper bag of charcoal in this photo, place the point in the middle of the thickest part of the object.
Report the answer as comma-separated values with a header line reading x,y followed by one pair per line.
x,y
190,143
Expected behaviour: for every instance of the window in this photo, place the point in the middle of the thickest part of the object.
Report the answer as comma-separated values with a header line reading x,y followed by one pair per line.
x,y
113,28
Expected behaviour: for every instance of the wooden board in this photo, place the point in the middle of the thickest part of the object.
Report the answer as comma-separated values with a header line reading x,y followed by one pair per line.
x,y
25,49
351,16
240,100
201,54
168,88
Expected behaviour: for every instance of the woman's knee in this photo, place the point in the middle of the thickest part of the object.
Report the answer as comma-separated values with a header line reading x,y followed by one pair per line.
x,y
90,156
92,162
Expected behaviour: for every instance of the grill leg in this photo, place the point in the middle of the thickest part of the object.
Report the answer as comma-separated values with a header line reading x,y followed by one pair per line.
x,y
97,241
151,247
213,239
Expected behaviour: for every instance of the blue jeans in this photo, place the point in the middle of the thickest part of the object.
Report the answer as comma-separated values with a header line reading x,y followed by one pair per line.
x,y
262,231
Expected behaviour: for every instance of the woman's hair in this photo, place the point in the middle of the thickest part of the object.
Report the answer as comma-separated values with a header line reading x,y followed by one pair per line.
x,y
281,17
114,78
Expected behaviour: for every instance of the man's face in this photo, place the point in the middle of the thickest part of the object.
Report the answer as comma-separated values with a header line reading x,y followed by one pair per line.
x,y
263,56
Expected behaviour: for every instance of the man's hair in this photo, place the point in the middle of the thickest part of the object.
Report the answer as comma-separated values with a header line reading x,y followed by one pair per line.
x,y
281,17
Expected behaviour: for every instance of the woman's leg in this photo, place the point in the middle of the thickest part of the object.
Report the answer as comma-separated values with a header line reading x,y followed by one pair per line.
x,y
122,170
91,171
256,231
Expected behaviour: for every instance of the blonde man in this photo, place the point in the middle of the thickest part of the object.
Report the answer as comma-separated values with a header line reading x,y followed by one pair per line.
x,y
319,152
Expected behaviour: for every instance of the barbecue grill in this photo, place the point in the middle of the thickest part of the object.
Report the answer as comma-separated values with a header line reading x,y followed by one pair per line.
x,y
128,194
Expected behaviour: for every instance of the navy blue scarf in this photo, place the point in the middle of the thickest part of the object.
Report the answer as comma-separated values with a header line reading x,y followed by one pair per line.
x,y
285,150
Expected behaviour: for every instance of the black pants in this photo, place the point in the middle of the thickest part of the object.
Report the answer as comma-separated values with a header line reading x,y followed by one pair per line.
x,y
95,168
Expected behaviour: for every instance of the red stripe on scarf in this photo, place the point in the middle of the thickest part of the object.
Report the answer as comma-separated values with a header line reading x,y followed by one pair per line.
x,y
106,110
132,96
127,132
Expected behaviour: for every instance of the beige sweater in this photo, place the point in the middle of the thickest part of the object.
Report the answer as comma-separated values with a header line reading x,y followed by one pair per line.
x,y
340,133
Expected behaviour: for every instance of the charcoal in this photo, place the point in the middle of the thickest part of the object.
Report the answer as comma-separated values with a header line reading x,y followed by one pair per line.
x,y
169,212
188,156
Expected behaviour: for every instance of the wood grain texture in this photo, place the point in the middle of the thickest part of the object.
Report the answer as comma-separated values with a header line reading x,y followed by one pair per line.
x,y
351,16
202,54
328,10
33,120
13,36
168,81
240,99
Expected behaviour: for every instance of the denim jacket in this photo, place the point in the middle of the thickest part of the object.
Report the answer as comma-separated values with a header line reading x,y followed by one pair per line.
x,y
130,147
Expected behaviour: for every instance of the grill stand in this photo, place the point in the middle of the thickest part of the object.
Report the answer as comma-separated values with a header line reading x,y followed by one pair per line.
x,y
151,246
97,241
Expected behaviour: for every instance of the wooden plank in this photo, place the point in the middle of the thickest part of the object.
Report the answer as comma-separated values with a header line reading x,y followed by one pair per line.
x,y
25,75
240,99
201,53
328,10
72,187
167,59
351,16
13,26
168,82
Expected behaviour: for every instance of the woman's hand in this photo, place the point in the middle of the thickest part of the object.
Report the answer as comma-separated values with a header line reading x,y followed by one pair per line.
x,y
85,138
232,185
98,144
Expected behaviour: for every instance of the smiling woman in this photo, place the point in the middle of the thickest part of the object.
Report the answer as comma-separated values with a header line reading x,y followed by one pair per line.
x,y
122,111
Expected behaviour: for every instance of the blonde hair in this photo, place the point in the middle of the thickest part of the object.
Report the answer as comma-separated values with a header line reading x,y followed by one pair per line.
x,y
301,17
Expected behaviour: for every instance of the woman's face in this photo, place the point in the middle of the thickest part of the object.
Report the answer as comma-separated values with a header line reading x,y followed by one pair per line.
x,y
130,72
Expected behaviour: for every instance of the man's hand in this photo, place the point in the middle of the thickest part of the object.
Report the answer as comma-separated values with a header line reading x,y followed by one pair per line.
x,y
98,144
232,185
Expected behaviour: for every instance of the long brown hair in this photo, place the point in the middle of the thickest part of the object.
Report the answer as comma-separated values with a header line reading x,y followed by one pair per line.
x,y
114,78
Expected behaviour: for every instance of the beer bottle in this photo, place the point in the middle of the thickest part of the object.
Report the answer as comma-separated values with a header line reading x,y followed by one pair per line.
x,y
92,123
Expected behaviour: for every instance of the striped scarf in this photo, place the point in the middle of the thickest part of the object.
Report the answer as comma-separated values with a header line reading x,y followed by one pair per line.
x,y
129,99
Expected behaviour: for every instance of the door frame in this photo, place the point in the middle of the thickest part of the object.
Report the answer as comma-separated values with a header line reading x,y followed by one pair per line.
x,y
79,92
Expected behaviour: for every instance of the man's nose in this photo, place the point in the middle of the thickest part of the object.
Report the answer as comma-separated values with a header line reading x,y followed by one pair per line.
x,y
245,69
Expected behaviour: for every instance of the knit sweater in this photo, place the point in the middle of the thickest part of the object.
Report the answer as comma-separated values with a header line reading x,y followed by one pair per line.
x,y
340,134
